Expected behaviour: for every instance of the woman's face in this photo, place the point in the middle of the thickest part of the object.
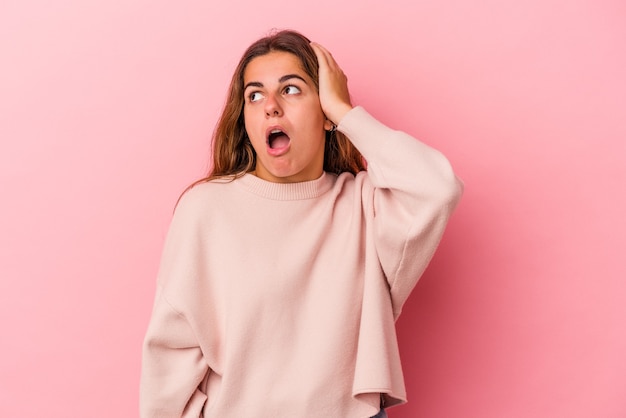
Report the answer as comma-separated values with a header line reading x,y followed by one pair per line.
x,y
283,119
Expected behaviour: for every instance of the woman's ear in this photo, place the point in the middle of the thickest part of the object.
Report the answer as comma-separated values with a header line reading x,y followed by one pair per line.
x,y
329,126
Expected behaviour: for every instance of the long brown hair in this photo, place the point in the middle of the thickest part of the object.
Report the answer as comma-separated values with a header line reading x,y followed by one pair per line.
x,y
233,155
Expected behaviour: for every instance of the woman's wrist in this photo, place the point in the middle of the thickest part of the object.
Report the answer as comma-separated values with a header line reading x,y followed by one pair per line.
x,y
339,112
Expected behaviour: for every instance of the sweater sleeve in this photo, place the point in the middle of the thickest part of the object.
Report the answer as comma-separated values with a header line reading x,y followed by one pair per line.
x,y
173,365
414,194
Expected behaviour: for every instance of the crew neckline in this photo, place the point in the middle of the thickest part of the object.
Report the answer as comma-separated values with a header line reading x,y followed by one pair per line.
x,y
288,191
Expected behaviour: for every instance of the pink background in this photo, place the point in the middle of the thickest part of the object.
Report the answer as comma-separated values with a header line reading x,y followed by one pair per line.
x,y
106,110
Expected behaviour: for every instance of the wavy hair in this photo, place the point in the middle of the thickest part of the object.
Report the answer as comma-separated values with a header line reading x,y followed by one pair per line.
x,y
233,155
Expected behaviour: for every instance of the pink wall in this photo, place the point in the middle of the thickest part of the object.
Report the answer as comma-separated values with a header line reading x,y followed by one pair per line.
x,y
106,109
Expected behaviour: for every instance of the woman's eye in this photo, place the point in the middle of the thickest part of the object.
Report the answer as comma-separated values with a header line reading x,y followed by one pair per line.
x,y
292,90
255,96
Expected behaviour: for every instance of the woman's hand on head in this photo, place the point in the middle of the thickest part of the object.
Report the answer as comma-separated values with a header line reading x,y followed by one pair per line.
x,y
333,86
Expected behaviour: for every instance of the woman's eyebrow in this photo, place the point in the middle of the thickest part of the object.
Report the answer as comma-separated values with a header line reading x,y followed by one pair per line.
x,y
253,84
289,77
280,80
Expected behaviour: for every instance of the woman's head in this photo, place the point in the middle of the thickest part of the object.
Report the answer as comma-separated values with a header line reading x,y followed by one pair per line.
x,y
233,152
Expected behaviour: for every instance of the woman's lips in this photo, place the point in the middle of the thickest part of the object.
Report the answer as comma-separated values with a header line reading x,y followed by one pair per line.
x,y
277,141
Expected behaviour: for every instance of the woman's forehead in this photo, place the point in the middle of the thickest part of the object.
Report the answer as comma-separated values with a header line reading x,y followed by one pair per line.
x,y
272,66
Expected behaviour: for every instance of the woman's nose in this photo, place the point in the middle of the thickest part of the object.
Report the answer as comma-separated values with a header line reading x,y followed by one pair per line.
x,y
272,107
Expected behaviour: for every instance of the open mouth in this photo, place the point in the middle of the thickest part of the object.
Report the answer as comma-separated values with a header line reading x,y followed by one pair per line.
x,y
277,139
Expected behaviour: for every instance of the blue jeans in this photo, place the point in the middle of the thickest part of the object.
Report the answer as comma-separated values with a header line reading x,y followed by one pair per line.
x,y
380,414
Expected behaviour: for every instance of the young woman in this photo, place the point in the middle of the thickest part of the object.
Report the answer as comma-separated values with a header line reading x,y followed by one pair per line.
x,y
285,269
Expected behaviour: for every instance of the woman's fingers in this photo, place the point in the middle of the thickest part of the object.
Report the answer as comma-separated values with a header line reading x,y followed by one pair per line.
x,y
333,85
327,57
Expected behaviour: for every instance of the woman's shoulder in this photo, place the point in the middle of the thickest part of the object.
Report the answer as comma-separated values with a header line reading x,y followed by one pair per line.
x,y
347,178
203,195
352,186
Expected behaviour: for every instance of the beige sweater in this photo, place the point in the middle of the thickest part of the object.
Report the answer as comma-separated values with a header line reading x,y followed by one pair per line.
x,y
279,300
